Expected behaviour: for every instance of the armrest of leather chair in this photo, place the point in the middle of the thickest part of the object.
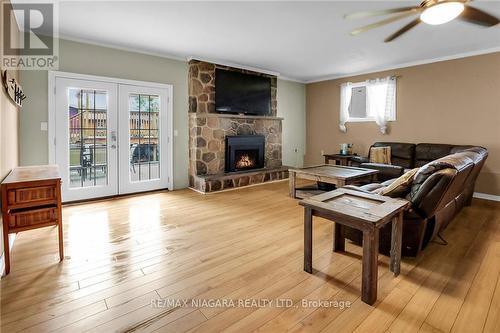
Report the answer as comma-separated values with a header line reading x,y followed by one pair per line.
x,y
386,171
368,188
359,159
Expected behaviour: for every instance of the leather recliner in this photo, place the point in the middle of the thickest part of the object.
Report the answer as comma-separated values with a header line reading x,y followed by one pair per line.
x,y
405,156
439,190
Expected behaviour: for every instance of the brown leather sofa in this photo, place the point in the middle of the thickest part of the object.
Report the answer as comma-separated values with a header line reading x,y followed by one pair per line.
x,y
439,191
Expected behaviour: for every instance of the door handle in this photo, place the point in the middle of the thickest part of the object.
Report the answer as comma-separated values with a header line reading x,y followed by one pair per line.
x,y
113,146
113,137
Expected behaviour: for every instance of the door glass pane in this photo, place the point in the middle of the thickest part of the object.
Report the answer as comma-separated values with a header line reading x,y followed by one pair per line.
x,y
144,111
88,137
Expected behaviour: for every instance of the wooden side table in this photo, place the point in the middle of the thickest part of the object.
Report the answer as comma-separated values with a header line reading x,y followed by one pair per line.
x,y
365,212
31,199
338,159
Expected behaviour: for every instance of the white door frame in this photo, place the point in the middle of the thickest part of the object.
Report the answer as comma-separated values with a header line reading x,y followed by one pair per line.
x,y
52,75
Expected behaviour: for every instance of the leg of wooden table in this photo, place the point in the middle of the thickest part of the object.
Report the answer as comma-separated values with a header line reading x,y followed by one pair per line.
x,y
370,266
6,252
60,223
291,184
338,238
396,240
61,245
308,240
5,226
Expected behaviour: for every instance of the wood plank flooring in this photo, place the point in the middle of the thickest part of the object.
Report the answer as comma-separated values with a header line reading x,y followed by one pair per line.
x,y
125,256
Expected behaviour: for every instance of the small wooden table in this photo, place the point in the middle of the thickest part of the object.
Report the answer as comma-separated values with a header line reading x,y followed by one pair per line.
x,y
339,159
332,174
365,212
31,199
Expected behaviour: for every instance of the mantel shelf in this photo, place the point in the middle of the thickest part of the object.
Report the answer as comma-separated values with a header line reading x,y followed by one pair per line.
x,y
234,116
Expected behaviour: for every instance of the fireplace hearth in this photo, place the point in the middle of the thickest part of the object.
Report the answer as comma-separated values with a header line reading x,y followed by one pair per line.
x,y
244,152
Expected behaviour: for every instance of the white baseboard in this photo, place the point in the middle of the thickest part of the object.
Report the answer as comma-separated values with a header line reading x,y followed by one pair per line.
x,y
486,196
12,238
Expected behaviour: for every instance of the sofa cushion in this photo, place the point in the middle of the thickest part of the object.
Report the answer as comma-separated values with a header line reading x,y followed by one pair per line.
x,y
427,152
401,186
458,149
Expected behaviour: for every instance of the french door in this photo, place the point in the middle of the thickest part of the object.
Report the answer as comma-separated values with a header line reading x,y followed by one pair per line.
x,y
110,138
143,140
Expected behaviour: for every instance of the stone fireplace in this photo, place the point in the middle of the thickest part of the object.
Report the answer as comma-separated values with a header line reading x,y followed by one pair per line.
x,y
212,167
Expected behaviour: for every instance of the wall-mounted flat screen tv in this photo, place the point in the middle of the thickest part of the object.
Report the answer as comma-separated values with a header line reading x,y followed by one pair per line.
x,y
236,92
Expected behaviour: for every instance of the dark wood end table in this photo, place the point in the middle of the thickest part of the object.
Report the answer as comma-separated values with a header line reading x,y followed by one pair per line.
x,y
339,159
31,199
365,212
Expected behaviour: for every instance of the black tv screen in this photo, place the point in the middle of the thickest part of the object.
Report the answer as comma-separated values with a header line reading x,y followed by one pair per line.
x,y
242,93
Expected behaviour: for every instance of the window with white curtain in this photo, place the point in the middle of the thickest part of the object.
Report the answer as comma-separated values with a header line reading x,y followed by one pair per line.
x,y
372,100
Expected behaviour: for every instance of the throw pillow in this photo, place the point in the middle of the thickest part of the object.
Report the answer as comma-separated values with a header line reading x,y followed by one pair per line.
x,y
401,186
380,155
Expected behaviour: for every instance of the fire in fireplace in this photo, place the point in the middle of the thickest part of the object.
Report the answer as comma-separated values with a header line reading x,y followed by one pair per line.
x,y
244,152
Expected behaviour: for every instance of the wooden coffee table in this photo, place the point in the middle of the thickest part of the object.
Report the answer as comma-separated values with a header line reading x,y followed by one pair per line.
x,y
331,174
365,212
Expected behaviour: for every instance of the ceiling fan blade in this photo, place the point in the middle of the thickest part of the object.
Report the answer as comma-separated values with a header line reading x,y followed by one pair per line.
x,y
381,23
474,15
378,12
404,29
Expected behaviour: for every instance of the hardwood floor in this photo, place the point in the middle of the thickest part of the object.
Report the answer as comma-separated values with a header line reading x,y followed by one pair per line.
x,y
124,255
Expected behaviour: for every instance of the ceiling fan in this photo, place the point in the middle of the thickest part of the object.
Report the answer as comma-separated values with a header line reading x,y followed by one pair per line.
x,y
432,12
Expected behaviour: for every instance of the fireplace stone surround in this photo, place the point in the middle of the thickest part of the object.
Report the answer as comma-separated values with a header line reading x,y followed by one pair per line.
x,y
208,131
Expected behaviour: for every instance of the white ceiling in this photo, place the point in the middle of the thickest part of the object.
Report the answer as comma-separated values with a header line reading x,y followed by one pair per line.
x,y
305,41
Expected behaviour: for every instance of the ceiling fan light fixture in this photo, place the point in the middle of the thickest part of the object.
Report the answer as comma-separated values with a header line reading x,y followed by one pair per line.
x,y
441,13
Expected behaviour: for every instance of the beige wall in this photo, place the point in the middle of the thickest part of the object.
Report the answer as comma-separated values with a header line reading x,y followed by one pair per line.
x,y
102,61
9,147
9,157
456,102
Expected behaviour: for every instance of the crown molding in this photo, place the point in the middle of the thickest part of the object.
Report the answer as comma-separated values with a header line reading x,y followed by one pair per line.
x,y
291,79
235,65
177,58
407,64
249,68
275,73
122,48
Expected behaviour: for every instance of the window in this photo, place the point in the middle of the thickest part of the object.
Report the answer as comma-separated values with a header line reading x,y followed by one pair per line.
x,y
357,106
372,100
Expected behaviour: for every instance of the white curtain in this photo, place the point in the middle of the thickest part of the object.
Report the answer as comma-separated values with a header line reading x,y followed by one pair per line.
x,y
381,101
345,101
